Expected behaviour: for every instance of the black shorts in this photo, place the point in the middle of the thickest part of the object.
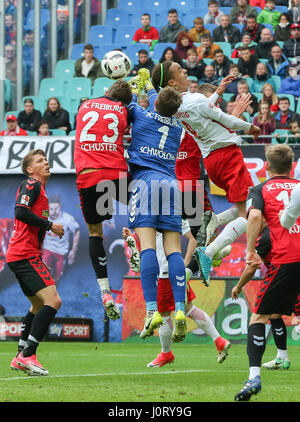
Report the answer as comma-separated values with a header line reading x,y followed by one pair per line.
x,y
97,201
32,274
279,290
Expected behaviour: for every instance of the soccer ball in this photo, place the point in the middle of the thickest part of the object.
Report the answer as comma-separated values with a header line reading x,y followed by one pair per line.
x,y
115,64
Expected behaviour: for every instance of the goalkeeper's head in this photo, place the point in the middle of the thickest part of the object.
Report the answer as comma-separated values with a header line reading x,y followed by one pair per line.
x,y
168,101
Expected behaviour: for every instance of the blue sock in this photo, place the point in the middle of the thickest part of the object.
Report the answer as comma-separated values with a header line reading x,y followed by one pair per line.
x,y
177,279
149,275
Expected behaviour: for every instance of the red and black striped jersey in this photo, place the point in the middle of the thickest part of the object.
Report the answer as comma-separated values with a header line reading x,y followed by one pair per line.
x,y
26,239
270,198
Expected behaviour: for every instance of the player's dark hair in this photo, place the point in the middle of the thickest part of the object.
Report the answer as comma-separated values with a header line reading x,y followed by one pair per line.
x,y
168,101
207,89
161,75
280,158
26,162
121,91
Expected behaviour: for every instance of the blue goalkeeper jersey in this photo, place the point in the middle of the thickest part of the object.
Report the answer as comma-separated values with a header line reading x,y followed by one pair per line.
x,y
155,139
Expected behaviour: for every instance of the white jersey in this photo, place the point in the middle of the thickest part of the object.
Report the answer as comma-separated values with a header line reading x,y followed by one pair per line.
x,y
292,209
160,253
53,243
209,125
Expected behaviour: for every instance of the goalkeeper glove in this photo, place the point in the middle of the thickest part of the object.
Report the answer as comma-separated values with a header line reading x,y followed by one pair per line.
x,y
136,85
145,76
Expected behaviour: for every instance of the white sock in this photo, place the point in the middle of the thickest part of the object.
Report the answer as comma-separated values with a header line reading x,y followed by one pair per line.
x,y
253,372
165,334
282,354
231,232
104,285
227,216
204,322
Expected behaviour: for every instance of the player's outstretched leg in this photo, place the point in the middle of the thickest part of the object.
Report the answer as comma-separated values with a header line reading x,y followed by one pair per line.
x,y
207,229
134,246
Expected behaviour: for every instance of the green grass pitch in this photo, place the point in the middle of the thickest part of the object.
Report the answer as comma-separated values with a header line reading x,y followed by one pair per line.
x,y
117,372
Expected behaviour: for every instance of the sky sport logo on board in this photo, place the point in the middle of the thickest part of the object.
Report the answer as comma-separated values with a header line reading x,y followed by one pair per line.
x,y
69,331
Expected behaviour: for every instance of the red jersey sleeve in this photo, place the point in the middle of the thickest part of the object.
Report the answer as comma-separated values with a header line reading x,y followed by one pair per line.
x,y
28,193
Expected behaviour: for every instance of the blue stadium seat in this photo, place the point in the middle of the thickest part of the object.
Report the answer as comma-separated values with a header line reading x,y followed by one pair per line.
x,y
239,26
7,91
64,69
249,82
103,49
277,82
79,87
259,9
210,27
190,14
226,10
100,34
130,4
50,87
226,47
270,26
132,51
72,133
157,5
44,19
135,17
101,85
185,5
280,132
234,60
58,132
116,17
227,97
280,43
77,51
291,98
124,35
208,61
282,9
160,48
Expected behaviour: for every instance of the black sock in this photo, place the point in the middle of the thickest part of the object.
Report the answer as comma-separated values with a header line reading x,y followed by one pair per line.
x,y
193,265
256,343
39,329
25,330
98,256
279,333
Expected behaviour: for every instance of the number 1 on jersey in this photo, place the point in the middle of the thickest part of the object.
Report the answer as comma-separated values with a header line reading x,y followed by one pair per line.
x,y
165,131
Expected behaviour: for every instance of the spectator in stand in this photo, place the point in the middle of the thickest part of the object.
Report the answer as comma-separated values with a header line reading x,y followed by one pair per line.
x,y
226,32
283,29
43,129
169,54
243,89
232,86
229,110
144,62
146,34
29,118
12,127
193,86
293,135
207,48
10,8
241,10
61,30
10,29
198,30
183,44
227,3
221,64
294,11
266,122
263,47
88,66
269,14
261,77
247,63
56,116
169,33
291,47
257,3
285,115
291,84
247,42
193,65
210,76
253,28
11,71
269,96
277,62
214,14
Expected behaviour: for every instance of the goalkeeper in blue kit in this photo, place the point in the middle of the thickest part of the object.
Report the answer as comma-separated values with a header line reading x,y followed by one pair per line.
x,y
155,203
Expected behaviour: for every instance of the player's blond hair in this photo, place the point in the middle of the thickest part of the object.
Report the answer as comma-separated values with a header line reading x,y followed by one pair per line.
x,y
280,158
26,162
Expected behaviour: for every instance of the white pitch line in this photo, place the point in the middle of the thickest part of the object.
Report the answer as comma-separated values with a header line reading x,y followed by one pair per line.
x,y
114,374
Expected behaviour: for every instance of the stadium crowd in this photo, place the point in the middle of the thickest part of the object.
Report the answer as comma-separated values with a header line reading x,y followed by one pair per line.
x,y
257,41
